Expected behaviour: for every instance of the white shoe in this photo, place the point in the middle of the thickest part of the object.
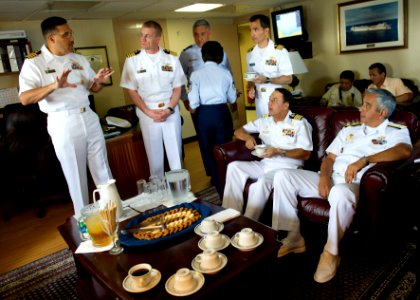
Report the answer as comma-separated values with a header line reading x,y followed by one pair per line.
x,y
288,246
327,267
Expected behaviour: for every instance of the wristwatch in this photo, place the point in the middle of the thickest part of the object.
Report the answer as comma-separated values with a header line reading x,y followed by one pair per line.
x,y
267,80
171,109
283,153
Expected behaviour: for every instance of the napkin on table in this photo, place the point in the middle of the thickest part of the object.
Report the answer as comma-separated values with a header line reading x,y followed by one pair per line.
x,y
225,215
87,247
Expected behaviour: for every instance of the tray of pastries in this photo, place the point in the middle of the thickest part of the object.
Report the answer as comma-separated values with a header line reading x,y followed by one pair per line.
x,y
177,220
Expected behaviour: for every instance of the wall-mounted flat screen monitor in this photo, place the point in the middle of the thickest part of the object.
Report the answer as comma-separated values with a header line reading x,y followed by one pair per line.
x,y
287,25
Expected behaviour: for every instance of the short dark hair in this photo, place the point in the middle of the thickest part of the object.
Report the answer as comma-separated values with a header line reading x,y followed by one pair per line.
x,y
201,22
155,25
287,95
381,68
49,25
384,99
264,20
347,74
212,51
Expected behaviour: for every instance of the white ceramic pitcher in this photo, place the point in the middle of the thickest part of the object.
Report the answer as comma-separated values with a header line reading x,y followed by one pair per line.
x,y
108,192
178,182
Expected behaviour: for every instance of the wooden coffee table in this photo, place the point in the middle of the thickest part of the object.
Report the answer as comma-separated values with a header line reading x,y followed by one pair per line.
x,y
246,273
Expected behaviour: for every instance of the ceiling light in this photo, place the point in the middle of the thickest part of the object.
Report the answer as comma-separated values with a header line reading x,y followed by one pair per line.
x,y
199,7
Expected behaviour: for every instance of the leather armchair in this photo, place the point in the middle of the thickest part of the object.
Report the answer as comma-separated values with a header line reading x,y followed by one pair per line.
x,y
30,172
326,123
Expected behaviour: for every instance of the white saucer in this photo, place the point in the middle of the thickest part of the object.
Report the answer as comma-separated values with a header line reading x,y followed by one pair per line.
x,y
114,121
197,266
129,285
226,242
254,152
199,279
197,229
235,238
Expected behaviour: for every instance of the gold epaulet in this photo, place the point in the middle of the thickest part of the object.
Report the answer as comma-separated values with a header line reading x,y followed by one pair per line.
x,y
352,124
295,116
33,54
250,49
133,53
170,52
396,125
279,46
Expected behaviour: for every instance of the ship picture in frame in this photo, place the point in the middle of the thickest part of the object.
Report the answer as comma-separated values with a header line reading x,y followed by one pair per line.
x,y
371,25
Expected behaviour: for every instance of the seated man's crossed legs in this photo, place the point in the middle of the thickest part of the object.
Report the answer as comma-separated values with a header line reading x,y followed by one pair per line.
x,y
288,184
238,173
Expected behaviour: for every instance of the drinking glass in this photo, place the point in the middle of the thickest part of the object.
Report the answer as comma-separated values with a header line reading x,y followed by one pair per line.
x,y
110,225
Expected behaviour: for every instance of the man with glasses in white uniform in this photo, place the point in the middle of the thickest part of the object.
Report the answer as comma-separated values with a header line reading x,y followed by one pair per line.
x,y
60,81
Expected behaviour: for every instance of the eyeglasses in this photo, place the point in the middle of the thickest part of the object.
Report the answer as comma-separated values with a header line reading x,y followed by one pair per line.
x,y
65,35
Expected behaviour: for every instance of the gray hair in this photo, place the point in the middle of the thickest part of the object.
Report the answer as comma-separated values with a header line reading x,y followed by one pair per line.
x,y
385,100
201,22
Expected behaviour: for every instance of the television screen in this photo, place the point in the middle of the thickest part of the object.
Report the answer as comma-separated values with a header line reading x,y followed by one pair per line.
x,y
287,24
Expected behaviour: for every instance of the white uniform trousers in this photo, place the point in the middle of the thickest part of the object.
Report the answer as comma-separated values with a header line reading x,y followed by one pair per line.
x,y
157,134
238,173
79,142
343,199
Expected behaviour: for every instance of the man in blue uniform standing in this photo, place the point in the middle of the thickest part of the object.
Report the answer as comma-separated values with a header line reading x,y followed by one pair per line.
x,y
191,60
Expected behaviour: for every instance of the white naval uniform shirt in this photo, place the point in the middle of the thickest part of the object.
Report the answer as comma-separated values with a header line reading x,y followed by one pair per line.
x,y
358,140
153,80
44,68
212,84
291,133
271,63
191,60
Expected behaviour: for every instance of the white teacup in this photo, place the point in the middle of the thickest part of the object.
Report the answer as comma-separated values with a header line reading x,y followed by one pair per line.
x,y
213,240
208,225
209,259
140,274
246,237
250,75
184,280
260,149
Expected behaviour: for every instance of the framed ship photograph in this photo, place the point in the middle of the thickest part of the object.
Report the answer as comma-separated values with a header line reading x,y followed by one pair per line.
x,y
97,57
371,25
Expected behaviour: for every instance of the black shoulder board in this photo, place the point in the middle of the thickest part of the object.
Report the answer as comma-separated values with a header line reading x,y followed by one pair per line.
x,y
133,53
33,54
352,124
279,46
188,47
250,49
295,116
396,125
167,51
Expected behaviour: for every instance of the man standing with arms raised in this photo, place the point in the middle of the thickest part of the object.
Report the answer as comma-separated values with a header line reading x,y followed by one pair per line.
x,y
153,80
273,66
60,81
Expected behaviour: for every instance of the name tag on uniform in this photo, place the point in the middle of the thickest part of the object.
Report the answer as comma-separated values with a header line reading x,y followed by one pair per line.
x,y
48,71
141,71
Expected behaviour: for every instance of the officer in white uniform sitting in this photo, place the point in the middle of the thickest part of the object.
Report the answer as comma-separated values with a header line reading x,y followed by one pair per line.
x,y
289,137
355,148
60,81
153,79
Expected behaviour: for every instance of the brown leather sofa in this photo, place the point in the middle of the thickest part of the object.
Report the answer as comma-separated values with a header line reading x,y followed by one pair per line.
x,y
326,123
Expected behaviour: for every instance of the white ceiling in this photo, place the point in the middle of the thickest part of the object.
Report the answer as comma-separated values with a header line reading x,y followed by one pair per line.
x,y
24,10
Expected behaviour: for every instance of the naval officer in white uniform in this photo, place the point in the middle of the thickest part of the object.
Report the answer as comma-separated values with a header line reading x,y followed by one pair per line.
x,y
272,65
355,148
153,80
60,82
